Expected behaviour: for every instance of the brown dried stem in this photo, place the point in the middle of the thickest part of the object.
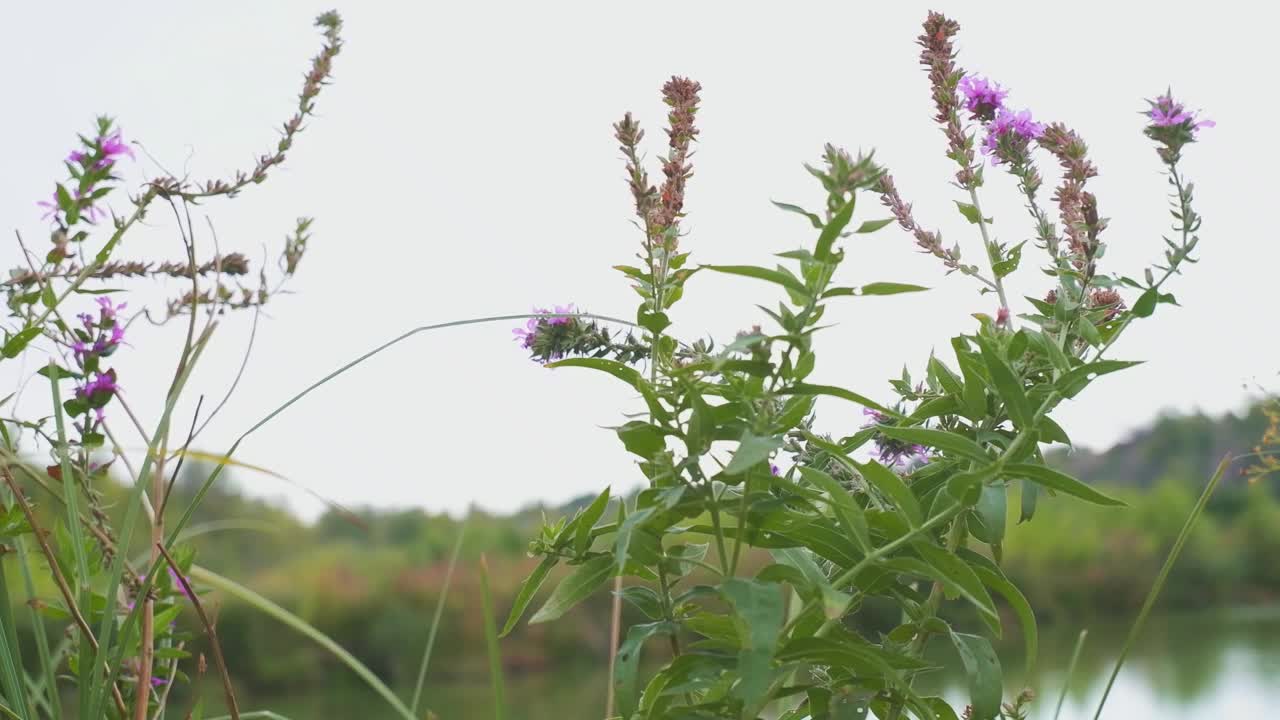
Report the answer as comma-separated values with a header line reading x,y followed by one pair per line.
x,y
232,707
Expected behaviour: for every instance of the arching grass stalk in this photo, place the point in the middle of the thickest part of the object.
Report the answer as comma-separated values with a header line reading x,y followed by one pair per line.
x,y
235,589
435,620
1071,669
1154,593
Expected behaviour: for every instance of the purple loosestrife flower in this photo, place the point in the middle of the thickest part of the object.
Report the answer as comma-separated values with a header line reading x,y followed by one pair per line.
x,y
1010,134
983,98
113,146
565,312
101,383
1172,126
1167,112
108,310
527,334
891,452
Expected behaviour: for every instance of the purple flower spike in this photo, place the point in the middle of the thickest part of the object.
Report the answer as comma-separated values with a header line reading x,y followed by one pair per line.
x,y
50,207
107,309
566,310
112,147
1167,112
527,334
774,469
1009,135
983,98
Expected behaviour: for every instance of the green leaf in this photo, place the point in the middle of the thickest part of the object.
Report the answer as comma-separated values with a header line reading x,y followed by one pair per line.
x,y
626,373
774,276
1030,491
62,372
983,668
48,298
846,508
875,288
871,226
1071,383
1061,482
527,590
992,510
1051,431
578,586
888,482
702,426
645,600
807,389
1146,303
949,381
1010,262
940,439
996,580
627,664
16,344
861,658
1008,385
654,322
834,602
641,438
594,511
761,611
832,230
752,449
962,579
971,213
813,219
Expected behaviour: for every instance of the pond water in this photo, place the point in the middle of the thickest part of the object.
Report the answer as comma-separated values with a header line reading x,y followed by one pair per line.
x,y
1186,667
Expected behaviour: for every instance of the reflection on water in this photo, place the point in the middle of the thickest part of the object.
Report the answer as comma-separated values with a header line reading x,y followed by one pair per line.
x,y
1185,667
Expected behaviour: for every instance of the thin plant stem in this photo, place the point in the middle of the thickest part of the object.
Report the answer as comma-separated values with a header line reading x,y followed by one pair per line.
x,y
491,645
1154,593
435,620
232,706
998,282
1071,669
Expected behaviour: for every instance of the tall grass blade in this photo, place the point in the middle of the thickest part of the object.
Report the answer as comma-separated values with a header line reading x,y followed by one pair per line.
x,y
132,509
1071,670
491,644
435,620
88,663
231,587
48,667
1154,593
15,687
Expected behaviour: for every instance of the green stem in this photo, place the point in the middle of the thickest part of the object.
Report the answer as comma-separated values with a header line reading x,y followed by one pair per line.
x,y
997,282
435,620
1154,593
1071,669
719,530
742,525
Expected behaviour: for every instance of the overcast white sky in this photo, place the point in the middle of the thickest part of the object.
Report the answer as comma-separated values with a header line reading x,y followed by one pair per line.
x,y
463,165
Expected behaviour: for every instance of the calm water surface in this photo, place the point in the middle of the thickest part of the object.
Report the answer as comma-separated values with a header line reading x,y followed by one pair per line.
x,y
1188,667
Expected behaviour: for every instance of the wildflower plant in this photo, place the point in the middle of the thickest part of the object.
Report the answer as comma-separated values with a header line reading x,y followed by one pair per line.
x,y
909,509
118,596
